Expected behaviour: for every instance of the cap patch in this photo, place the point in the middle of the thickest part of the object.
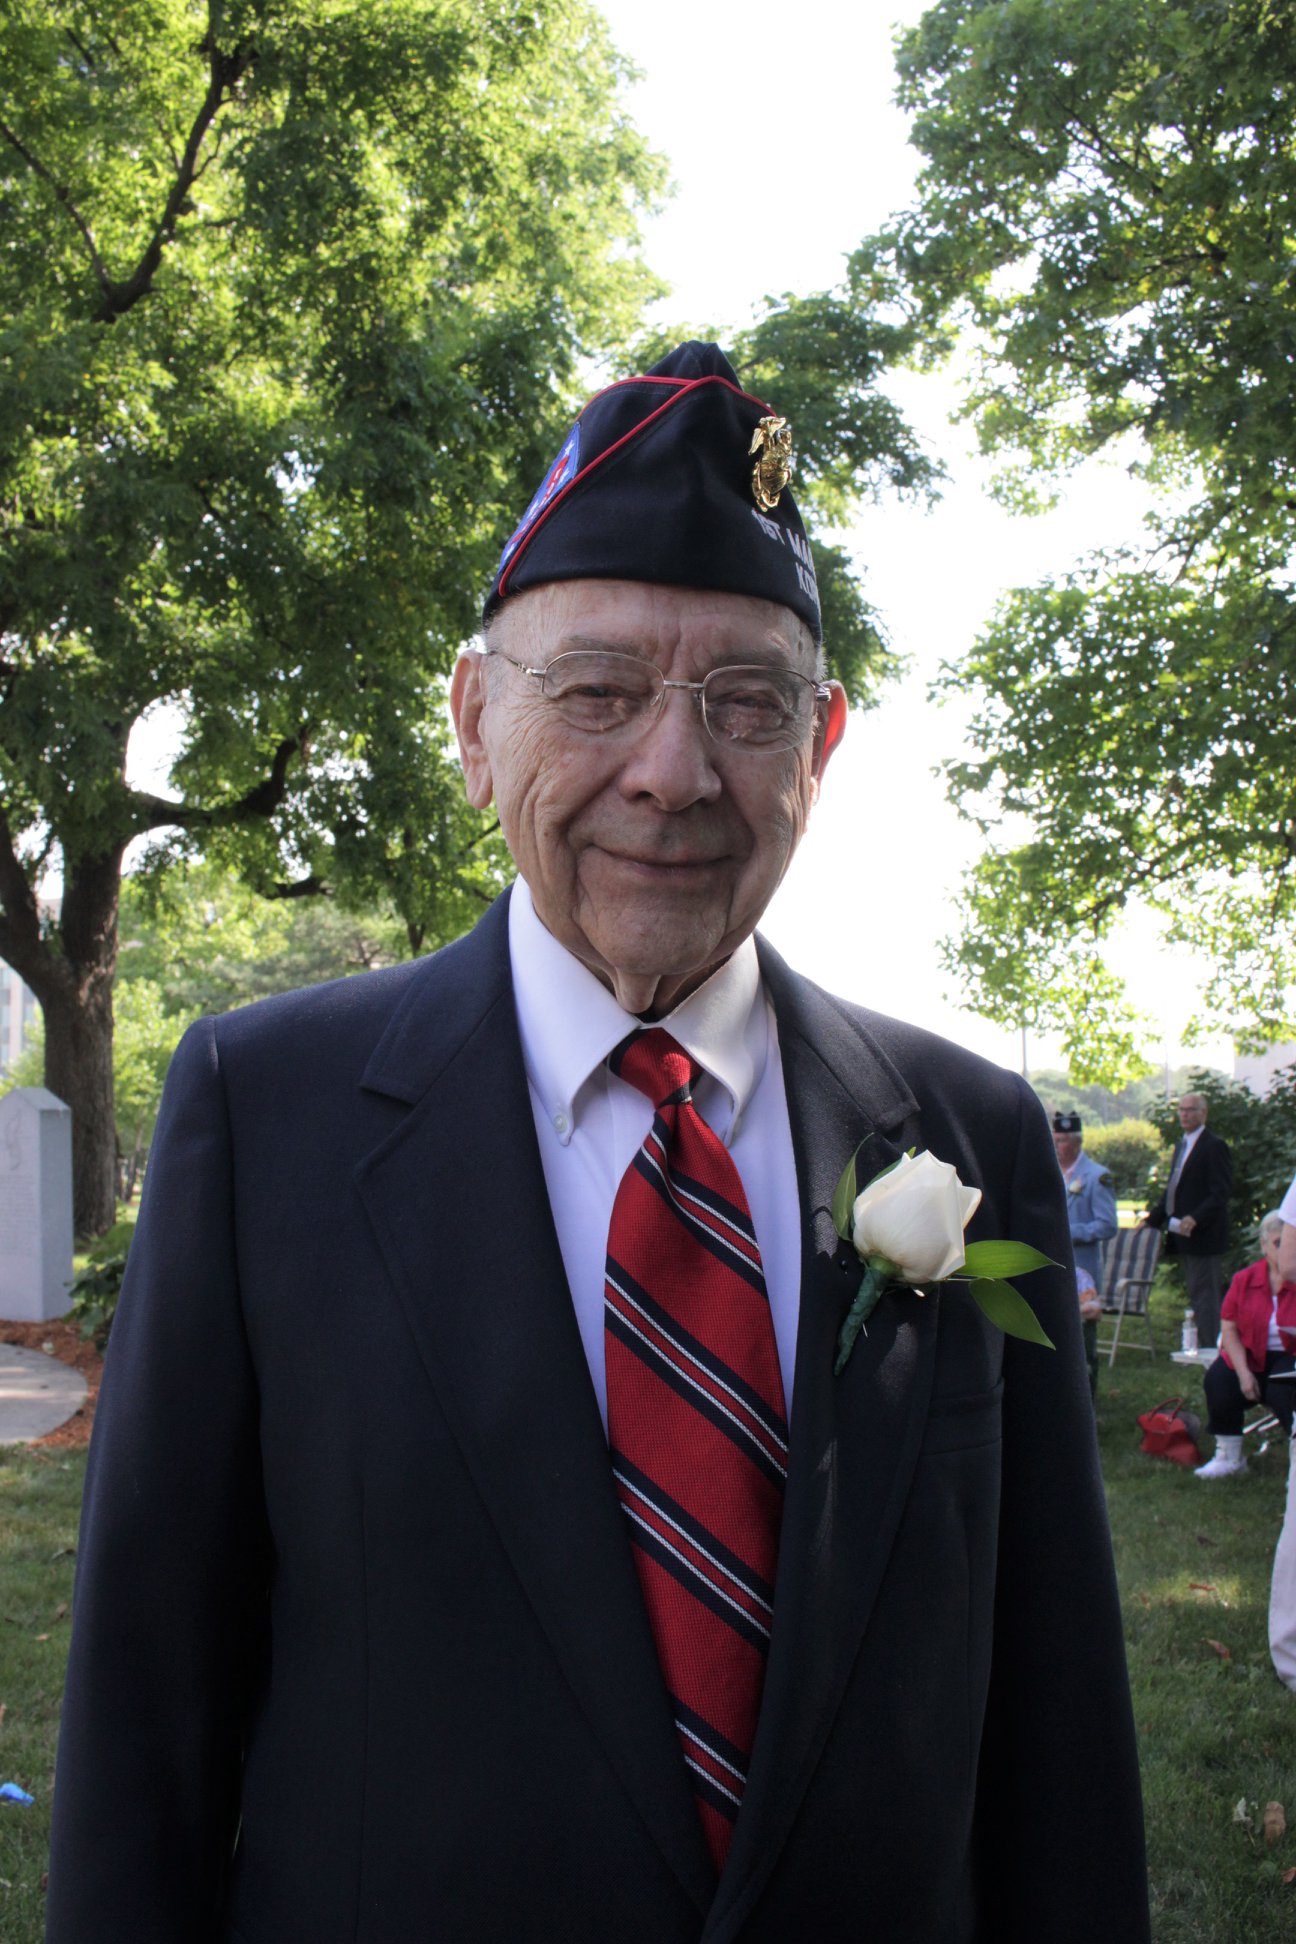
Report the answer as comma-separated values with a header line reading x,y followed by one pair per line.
x,y
565,467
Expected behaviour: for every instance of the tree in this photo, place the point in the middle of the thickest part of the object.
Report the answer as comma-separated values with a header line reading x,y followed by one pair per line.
x,y
296,291
1106,204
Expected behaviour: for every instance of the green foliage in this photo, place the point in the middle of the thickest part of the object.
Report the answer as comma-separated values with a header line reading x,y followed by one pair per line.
x,y
1017,971
1104,201
293,294
207,943
1101,1105
1261,1133
28,1069
95,1289
1134,1155
297,291
265,416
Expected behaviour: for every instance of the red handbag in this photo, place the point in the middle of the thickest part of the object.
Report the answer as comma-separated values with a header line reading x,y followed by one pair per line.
x,y
1171,1432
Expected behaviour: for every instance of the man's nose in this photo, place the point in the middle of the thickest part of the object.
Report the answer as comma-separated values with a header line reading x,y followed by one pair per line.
x,y
673,761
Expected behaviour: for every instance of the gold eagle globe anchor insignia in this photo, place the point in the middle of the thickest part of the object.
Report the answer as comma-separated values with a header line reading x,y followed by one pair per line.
x,y
772,445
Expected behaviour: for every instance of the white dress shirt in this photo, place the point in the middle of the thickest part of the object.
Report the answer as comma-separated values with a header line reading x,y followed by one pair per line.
x,y
590,1124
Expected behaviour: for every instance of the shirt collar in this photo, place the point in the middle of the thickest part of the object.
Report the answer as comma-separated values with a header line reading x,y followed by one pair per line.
x,y
569,1022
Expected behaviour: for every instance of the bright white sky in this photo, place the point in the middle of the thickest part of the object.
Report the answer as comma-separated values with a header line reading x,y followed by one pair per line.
x,y
785,150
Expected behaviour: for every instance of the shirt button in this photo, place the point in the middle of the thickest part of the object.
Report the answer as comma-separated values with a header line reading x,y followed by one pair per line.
x,y
561,1122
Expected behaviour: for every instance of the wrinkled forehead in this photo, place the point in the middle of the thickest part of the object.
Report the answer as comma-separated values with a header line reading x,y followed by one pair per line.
x,y
645,618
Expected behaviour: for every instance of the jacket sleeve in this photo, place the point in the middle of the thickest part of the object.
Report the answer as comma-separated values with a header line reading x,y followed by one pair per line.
x,y
1102,1199
173,1562
1063,1861
1213,1205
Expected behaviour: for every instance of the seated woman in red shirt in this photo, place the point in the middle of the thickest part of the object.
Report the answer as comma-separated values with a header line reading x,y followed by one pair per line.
x,y
1257,1343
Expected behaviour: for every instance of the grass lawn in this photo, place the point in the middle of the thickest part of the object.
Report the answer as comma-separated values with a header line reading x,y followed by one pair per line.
x,y
40,1498
1216,1727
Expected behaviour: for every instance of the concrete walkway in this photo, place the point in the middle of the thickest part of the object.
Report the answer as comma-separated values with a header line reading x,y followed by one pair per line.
x,y
37,1394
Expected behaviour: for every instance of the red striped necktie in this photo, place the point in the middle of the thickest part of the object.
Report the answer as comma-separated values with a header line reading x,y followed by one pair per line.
x,y
696,1423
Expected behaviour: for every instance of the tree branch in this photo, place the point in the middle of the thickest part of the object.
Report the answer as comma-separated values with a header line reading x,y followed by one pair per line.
x,y
21,944
224,73
153,812
62,195
307,887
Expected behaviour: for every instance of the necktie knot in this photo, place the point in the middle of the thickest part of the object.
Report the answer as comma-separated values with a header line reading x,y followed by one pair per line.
x,y
657,1065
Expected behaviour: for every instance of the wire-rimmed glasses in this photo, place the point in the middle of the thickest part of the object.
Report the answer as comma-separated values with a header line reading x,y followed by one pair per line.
x,y
759,706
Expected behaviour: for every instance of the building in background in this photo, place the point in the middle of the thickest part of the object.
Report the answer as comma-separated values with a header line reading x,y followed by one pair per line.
x,y
19,1010
1259,1070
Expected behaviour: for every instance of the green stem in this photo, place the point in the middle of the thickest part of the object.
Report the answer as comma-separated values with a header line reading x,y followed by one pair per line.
x,y
877,1274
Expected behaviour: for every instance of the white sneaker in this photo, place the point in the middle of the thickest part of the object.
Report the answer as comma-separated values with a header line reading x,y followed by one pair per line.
x,y
1220,1467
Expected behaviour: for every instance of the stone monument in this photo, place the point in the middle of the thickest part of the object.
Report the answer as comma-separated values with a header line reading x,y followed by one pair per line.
x,y
35,1206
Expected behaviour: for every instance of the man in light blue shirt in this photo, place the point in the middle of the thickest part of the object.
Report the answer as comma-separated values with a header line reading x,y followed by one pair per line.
x,y
1091,1198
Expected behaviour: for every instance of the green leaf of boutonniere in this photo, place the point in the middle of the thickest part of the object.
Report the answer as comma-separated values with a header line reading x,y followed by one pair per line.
x,y
844,1194
1004,1259
843,1200
1011,1312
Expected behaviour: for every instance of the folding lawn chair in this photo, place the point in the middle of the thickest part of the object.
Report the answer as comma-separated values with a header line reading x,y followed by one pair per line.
x,y
1126,1271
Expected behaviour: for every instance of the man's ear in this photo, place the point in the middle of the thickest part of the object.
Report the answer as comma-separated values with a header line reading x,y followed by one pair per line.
x,y
467,701
833,730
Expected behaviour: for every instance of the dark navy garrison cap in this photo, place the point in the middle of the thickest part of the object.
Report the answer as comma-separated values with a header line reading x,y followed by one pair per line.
x,y
1067,1123
679,477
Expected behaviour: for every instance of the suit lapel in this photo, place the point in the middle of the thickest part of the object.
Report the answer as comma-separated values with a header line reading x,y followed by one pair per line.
x,y
483,1287
854,1439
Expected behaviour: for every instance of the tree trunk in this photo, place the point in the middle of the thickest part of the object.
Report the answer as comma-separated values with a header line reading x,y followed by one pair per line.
x,y
78,1068
71,974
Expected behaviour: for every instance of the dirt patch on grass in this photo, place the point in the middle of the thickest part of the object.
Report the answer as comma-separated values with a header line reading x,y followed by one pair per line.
x,y
62,1340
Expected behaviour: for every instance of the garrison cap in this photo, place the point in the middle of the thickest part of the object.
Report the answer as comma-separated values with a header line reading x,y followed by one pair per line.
x,y
678,476
1067,1124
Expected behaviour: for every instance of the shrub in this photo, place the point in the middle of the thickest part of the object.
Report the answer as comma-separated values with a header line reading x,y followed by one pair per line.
x,y
1133,1153
95,1290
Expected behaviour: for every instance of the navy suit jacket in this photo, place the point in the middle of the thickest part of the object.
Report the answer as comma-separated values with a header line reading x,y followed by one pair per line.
x,y
359,1652
1203,1191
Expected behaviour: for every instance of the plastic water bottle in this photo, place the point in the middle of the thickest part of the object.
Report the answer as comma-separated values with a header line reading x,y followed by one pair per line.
x,y
1189,1331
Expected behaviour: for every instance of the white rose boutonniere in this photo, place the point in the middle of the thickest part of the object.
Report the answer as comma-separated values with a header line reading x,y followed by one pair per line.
x,y
1074,1185
907,1227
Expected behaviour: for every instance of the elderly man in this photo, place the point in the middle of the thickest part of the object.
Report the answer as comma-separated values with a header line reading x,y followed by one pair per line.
x,y
1193,1211
1091,1218
479,1544
1091,1198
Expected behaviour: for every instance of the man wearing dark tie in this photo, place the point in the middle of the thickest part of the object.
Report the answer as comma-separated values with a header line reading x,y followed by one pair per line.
x,y
480,1543
1193,1211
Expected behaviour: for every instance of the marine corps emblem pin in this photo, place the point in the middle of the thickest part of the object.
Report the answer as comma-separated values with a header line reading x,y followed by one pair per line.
x,y
772,445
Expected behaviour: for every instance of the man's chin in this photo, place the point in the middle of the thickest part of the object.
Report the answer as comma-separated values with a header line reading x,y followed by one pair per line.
x,y
652,975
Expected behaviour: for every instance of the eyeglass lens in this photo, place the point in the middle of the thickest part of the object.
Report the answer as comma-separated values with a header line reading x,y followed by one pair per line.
x,y
758,707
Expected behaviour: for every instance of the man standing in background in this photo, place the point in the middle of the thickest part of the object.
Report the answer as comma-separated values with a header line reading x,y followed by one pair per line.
x,y
1091,1199
1193,1210
1091,1217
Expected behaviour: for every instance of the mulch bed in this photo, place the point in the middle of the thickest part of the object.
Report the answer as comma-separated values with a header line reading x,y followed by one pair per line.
x,y
64,1341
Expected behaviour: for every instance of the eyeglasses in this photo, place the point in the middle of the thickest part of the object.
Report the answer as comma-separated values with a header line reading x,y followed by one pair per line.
x,y
602,693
